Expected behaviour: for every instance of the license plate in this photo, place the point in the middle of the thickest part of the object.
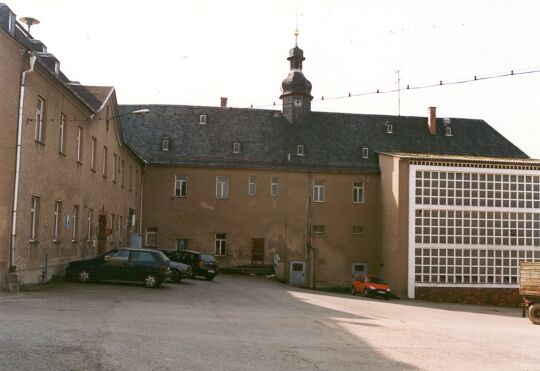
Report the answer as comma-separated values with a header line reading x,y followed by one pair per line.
x,y
381,292
211,271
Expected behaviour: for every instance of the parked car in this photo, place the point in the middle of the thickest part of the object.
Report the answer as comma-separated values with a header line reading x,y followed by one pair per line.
x,y
151,267
370,286
179,271
201,264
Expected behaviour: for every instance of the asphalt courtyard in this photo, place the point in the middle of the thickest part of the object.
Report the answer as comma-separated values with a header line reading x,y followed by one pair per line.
x,y
252,323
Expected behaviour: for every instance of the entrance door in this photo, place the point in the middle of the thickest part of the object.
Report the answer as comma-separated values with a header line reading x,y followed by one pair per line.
x,y
257,251
297,273
358,268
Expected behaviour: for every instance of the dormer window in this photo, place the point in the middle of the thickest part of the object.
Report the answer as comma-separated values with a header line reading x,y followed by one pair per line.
x,y
237,147
10,23
365,152
165,144
56,67
448,131
300,150
202,119
389,128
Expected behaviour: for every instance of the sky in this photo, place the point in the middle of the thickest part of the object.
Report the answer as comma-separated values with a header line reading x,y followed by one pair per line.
x,y
194,52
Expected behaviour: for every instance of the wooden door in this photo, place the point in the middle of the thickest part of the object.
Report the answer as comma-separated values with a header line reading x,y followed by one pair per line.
x,y
257,251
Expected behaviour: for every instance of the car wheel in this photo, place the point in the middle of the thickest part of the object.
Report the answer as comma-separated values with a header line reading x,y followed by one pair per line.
x,y
150,280
353,290
209,278
83,276
175,276
534,314
366,293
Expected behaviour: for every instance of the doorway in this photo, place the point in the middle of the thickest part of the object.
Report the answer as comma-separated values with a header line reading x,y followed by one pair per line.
x,y
257,251
297,273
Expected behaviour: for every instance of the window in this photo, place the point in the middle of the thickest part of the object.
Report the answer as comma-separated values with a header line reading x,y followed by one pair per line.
x,y
113,219
62,134
89,217
318,229
93,154
130,175
358,193
274,186
220,243
318,191
136,181
202,119
448,131
123,171
181,244
56,67
79,144
300,150
57,223
151,236
222,187
114,167
142,257
34,218
358,229
116,255
365,152
121,227
180,186
389,128
104,169
252,185
75,230
107,117
165,144
237,147
40,118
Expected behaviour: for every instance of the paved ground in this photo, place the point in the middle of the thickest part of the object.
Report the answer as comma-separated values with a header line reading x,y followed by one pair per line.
x,y
251,323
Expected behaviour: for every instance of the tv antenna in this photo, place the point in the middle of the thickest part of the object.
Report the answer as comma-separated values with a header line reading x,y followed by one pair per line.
x,y
29,21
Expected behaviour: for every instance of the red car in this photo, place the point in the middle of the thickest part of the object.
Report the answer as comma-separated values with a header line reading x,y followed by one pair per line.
x,y
370,286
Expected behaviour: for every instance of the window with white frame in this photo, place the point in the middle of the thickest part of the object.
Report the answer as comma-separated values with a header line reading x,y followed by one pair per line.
x,y
180,186
181,244
221,239
89,217
40,120
57,222
358,192
202,119
165,143
62,133
252,185
300,150
79,143
365,152
123,172
93,144
389,128
318,191
104,167
448,131
274,186
317,229
222,187
75,224
34,218
151,236
114,167
237,147
358,229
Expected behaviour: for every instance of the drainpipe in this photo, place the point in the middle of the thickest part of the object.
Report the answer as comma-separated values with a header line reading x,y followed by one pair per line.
x,y
12,266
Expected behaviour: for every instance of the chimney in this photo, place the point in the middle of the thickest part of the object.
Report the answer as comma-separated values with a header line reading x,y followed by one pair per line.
x,y
432,120
223,102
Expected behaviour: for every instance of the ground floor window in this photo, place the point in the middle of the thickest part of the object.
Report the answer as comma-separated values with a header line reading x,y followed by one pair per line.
x,y
220,243
151,236
181,244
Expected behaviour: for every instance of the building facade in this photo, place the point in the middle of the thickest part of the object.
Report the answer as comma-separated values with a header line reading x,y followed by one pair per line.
x,y
70,187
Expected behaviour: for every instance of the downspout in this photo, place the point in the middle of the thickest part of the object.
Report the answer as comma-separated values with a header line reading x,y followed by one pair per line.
x,y
12,266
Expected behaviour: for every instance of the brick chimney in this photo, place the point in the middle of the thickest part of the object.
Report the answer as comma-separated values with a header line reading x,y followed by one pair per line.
x,y
223,102
432,120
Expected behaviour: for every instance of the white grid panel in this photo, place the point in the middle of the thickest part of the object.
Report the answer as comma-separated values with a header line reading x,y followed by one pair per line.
x,y
472,226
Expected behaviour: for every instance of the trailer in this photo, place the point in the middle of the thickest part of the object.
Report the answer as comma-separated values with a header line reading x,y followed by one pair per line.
x,y
529,289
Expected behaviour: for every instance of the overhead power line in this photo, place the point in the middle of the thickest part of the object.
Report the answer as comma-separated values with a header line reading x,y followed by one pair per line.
x,y
416,87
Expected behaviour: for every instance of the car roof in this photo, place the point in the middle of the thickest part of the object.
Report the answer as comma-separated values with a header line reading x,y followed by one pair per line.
x,y
134,249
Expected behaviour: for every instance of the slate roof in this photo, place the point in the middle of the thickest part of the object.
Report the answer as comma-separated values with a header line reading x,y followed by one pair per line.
x,y
332,141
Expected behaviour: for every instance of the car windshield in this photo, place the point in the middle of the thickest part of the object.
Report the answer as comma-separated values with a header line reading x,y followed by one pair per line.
x,y
374,280
207,258
163,256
